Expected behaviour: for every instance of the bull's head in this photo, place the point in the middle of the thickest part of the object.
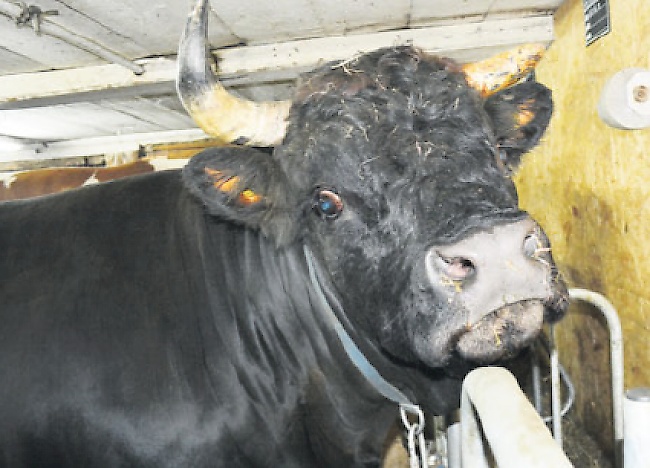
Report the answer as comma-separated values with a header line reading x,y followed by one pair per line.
x,y
394,167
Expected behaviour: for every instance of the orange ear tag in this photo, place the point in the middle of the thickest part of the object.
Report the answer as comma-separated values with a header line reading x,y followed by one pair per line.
x,y
524,115
248,197
227,184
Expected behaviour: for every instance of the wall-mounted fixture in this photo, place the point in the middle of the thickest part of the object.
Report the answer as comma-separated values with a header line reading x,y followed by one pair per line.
x,y
625,100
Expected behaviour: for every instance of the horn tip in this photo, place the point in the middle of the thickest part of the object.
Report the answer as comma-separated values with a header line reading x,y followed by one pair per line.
x,y
498,72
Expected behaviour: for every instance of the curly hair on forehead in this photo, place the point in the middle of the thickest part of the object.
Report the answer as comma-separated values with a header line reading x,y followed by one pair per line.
x,y
398,97
398,69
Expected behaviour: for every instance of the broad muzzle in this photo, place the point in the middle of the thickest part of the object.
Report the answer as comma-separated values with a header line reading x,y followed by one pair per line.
x,y
501,279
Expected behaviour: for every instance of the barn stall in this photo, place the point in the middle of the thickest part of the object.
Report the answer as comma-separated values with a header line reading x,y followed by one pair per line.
x,y
92,84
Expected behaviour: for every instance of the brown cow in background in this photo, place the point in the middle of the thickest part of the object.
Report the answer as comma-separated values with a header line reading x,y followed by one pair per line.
x,y
38,182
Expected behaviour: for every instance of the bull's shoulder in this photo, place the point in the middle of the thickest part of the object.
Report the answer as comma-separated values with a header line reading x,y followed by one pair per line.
x,y
132,191
118,220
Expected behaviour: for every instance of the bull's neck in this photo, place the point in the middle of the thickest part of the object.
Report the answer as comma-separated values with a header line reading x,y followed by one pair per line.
x,y
290,294
326,303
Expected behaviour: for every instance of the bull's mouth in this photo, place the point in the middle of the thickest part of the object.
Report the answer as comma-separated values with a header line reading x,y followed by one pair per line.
x,y
501,333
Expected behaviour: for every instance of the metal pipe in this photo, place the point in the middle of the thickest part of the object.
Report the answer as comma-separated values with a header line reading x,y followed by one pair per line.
x,y
555,389
571,392
454,446
537,380
493,405
637,428
52,29
564,378
616,356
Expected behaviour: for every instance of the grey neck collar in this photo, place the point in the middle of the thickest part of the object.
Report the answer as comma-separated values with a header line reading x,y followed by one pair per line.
x,y
371,374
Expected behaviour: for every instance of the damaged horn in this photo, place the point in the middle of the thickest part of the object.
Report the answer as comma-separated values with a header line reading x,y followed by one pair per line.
x,y
215,110
499,72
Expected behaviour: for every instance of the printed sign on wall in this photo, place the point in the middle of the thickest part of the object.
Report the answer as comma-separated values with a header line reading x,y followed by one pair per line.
x,y
596,19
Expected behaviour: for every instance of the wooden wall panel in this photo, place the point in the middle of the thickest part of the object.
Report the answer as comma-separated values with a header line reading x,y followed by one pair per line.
x,y
589,186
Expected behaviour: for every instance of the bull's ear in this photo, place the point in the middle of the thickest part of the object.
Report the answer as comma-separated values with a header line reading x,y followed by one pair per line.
x,y
239,184
520,115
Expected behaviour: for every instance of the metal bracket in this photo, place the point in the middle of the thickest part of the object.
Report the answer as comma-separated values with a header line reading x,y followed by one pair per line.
x,y
34,15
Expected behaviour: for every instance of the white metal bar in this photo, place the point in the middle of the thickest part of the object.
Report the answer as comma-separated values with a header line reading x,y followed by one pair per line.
x,y
616,356
493,405
537,379
555,389
454,446
637,428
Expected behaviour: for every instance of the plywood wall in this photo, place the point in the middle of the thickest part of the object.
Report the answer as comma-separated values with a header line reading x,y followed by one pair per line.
x,y
589,186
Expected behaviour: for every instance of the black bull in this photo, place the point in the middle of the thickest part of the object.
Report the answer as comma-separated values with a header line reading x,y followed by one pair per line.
x,y
184,320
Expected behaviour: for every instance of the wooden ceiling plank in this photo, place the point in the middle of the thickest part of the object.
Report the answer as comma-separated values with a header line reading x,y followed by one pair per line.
x,y
84,79
445,9
80,17
46,51
509,5
13,62
111,119
426,9
44,124
446,40
46,29
140,28
70,121
97,145
280,20
361,15
129,29
255,64
158,115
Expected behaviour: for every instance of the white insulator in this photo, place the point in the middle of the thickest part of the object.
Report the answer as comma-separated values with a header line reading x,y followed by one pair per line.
x,y
636,446
625,100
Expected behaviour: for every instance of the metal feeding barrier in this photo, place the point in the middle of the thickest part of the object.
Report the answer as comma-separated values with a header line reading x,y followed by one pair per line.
x,y
499,427
496,412
616,364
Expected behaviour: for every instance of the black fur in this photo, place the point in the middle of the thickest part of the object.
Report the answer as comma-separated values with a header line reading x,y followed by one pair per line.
x,y
163,321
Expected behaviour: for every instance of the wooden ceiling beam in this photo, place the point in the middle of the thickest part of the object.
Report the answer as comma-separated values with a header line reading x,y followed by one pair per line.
x,y
32,156
254,65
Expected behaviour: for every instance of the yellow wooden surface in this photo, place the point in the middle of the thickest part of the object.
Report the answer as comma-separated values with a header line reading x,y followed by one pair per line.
x,y
589,187
179,150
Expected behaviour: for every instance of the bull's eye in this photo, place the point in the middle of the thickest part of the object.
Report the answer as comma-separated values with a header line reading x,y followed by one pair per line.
x,y
328,204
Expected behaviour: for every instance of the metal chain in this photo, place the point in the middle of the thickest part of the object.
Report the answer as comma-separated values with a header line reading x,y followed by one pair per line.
x,y
34,15
417,448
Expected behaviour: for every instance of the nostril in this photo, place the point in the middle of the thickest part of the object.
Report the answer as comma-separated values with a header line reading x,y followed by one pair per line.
x,y
536,246
531,245
457,268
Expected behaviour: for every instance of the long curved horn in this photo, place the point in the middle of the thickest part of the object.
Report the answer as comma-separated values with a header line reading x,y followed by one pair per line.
x,y
214,109
498,72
